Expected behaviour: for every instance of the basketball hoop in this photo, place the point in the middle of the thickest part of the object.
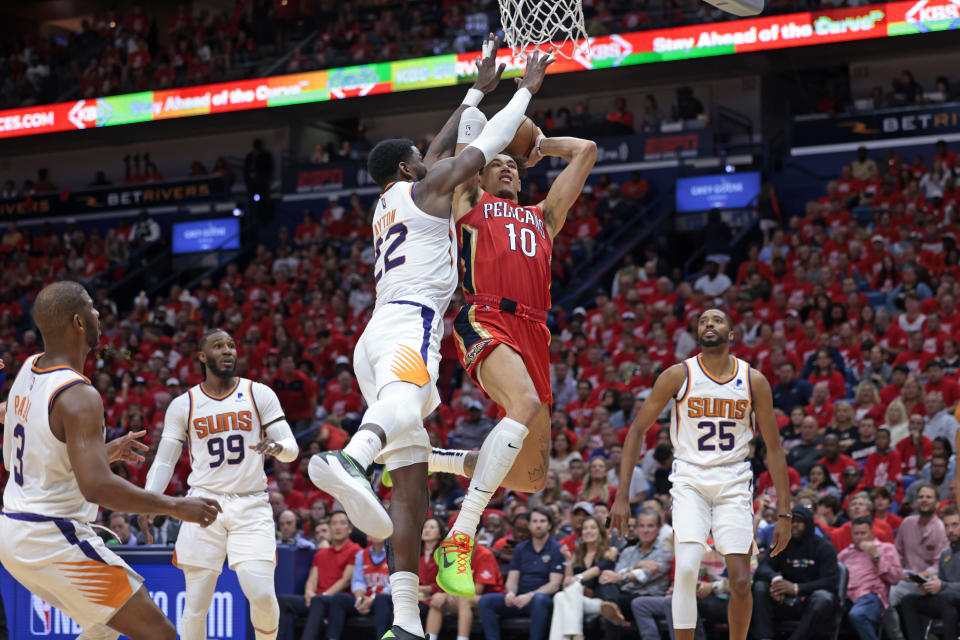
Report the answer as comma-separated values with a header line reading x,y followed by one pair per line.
x,y
530,23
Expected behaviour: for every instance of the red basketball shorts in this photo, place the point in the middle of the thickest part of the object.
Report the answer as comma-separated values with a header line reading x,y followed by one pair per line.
x,y
479,328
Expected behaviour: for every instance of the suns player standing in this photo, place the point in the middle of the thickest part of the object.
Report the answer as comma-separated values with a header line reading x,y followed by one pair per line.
x,y
227,423
398,356
717,399
53,446
501,332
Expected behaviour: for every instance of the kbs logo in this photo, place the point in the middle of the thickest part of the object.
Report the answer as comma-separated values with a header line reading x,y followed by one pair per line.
x,y
927,11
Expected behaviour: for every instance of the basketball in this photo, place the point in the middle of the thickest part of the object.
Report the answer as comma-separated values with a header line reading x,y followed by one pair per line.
x,y
523,139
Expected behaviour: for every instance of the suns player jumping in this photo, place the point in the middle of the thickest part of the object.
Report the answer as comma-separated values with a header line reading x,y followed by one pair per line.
x,y
228,423
717,399
501,332
53,446
398,356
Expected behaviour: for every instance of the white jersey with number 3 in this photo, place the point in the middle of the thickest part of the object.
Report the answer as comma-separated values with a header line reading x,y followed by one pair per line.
x,y
712,421
41,477
219,431
415,252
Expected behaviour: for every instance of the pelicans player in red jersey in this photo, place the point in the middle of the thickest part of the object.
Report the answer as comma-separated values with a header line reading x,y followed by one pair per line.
x,y
501,332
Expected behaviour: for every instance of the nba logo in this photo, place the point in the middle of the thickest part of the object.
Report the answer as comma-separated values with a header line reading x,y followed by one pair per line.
x,y
466,129
41,616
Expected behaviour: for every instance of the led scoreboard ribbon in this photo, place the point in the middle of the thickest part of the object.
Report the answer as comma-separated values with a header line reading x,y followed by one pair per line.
x,y
618,50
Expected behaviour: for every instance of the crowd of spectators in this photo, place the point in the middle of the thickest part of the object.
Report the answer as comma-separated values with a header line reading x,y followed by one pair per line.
x,y
140,47
848,310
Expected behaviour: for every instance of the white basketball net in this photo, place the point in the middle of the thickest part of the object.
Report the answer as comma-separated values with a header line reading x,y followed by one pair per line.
x,y
528,23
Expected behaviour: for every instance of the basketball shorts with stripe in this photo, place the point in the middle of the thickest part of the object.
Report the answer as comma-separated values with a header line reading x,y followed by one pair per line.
x,y
401,343
244,530
478,329
66,563
715,501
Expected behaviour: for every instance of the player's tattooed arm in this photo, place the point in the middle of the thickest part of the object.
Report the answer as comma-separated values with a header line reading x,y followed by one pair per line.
x,y
488,77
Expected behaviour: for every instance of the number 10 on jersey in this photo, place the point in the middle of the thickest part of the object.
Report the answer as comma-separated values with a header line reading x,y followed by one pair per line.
x,y
528,240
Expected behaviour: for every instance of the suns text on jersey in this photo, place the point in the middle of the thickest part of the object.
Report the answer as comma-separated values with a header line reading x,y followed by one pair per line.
x,y
504,209
717,408
228,421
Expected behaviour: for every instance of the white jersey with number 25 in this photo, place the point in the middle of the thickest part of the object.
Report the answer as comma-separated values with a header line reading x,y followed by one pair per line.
x,y
713,422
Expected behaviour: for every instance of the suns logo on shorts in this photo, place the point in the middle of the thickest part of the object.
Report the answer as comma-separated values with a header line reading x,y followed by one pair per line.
x,y
475,352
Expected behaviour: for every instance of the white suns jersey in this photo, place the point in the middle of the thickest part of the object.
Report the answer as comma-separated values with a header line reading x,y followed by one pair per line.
x,y
415,252
219,431
713,422
41,476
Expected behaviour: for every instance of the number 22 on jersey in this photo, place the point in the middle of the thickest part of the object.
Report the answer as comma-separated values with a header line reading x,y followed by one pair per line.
x,y
399,233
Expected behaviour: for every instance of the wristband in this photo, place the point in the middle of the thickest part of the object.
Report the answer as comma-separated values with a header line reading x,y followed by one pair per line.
x,y
473,97
785,515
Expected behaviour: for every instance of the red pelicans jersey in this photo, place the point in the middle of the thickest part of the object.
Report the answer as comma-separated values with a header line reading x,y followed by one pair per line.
x,y
505,250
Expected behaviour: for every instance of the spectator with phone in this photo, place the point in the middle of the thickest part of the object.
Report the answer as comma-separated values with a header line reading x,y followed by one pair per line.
x,y
799,583
920,541
937,595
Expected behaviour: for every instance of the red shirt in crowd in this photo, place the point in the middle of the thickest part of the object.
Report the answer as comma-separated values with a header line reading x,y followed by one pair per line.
x,y
331,562
908,454
836,468
294,393
884,468
486,571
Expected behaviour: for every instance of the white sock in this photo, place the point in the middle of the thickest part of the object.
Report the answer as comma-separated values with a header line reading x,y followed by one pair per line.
x,y
433,636
447,461
463,637
406,613
499,451
363,448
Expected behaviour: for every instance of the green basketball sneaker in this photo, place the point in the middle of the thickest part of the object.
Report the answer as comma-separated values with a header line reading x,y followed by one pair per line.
x,y
387,481
399,633
453,555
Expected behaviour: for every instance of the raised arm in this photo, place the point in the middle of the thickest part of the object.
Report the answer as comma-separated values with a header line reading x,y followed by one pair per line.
x,y
776,461
488,77
78,411
433,193
580,155
665,388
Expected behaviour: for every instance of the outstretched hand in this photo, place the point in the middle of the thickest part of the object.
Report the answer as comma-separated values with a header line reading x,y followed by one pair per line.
x,y
537,65
126,448
488,72
268,447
